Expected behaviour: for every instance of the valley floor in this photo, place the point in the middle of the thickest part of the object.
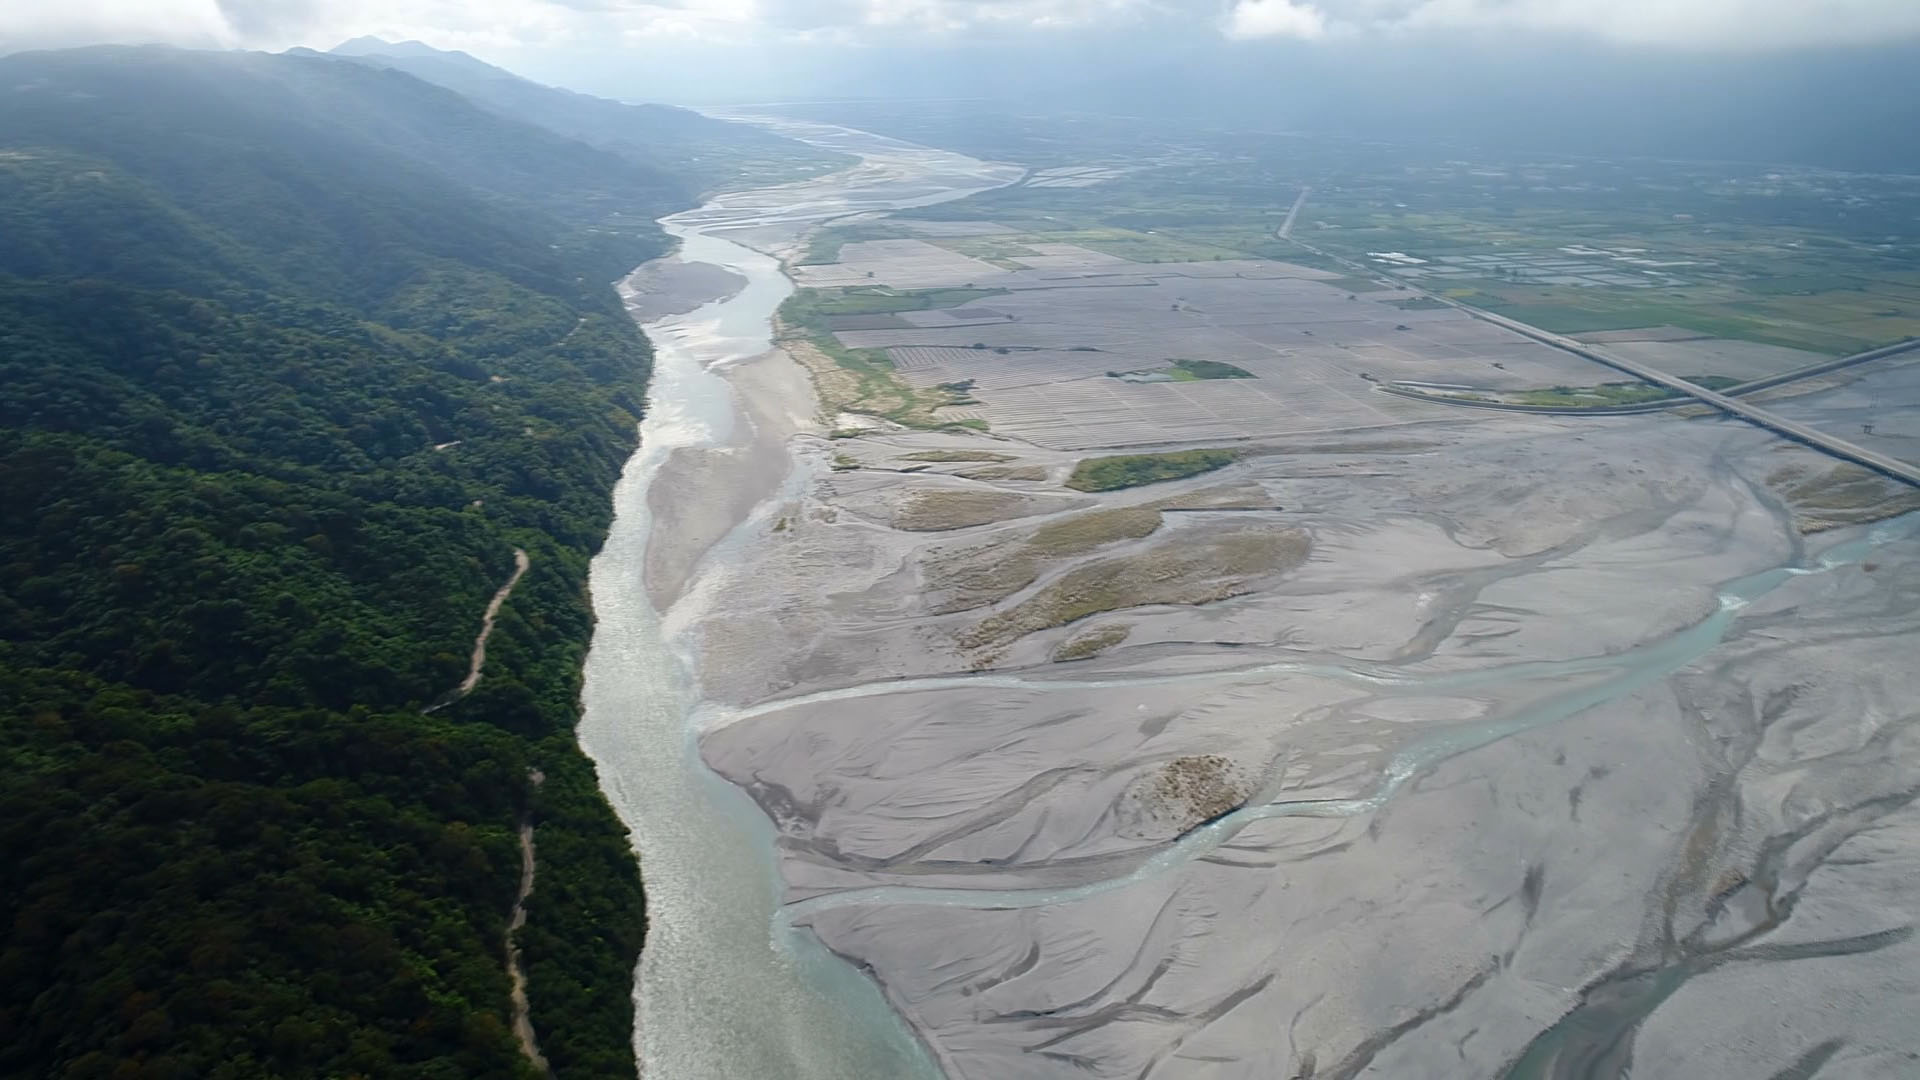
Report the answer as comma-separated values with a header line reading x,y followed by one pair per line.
x,y
1418,745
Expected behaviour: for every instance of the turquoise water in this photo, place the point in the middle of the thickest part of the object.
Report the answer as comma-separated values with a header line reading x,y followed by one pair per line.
x,y
729,987
1626,673
723,990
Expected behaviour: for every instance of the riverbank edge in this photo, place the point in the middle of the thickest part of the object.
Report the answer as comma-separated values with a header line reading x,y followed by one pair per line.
x,y
756,396
762,391
756,392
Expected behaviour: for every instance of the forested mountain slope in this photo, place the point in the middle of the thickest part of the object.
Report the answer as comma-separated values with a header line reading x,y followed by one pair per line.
x,y
715,154
295,354
329,168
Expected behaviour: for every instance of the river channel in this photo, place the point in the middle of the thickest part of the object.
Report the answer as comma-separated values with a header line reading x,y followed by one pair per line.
x,y
722,994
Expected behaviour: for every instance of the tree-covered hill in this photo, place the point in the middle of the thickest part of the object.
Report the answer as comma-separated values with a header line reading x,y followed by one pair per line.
x,y
331,172
296,353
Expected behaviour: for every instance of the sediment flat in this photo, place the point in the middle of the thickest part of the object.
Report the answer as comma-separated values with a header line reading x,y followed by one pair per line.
x,y
1436,746
1508,777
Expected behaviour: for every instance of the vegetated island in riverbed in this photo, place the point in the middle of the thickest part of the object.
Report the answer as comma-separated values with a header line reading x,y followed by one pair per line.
x,y
1132,470
863,381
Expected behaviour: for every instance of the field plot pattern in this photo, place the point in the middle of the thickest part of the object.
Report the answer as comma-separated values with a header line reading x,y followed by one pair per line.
x,y
1041,359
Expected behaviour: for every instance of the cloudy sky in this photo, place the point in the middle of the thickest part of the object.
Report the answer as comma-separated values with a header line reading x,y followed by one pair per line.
x,y
515,25
739,50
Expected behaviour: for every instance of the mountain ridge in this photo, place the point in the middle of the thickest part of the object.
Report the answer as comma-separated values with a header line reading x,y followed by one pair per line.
x,y
298,353
717,154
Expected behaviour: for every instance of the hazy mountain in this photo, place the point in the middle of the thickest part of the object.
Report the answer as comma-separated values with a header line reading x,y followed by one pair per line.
x,y
282,149
368,45
712,152
1847,109
1852,108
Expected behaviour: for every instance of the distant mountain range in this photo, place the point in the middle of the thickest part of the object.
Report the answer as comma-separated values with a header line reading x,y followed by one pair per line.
x,y
1845,108
710,153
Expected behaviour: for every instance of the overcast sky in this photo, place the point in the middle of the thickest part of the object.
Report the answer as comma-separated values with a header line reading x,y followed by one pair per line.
x,y
515,26
713,51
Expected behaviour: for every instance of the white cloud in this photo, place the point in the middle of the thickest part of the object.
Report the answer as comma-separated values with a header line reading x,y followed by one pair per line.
x,y
1697,24
185,22
1275,18
279,24
493,25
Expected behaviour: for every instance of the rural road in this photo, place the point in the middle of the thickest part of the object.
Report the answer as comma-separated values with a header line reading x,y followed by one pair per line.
x,y
479,658
516,968
1770,382
1285,231
1793,429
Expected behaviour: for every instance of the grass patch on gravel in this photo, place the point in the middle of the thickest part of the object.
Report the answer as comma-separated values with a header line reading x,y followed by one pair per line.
x,y
1196,370
1191,572
1092,643
1190,371
824,247
985,575
1081,533
1191,790
1132,470
956,455
1007,472
864,380
937,511
1575,397
1227,497
1613,393
810,308
1846,494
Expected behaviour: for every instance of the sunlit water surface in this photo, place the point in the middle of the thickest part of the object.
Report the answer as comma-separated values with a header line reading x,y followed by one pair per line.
x,y
724,991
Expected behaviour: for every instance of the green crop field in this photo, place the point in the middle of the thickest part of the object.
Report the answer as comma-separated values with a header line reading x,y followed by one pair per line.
x,y
809,307
1821,261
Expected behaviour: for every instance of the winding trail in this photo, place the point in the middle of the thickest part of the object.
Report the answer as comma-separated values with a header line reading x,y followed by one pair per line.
x,y
516,968
479,658
1416,392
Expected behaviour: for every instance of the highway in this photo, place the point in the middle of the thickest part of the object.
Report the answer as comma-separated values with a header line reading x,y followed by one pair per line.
x,y
1285,232
1825,367
1792,429
1797,374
